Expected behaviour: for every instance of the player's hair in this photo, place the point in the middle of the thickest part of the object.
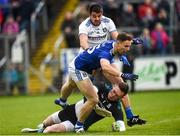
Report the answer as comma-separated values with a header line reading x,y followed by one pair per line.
x,y
124,36
124,87
95,7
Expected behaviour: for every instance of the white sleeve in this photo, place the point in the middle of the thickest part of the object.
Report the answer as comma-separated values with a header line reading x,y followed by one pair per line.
x,y
111,26
83,29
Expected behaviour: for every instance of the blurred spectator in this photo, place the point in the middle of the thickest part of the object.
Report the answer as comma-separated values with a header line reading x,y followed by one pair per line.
x,y
162,17
69,28
128,15
147,13
83,7
148,19
21,80
146,48
164,4
26,9
111,8
160,40
15,7
147,5
10,77
10,26
53,7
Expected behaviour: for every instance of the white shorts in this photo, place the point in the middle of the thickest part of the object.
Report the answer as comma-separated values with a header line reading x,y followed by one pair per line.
x,y
77,75
67,124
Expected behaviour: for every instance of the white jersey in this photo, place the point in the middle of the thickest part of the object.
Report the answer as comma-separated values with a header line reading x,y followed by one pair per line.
x,y
97,34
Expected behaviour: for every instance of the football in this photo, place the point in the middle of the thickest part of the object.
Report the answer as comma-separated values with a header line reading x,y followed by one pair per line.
x,y
115,127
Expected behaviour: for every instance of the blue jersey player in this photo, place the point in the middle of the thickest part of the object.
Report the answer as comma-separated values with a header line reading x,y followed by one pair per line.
x,y
86,63
90,59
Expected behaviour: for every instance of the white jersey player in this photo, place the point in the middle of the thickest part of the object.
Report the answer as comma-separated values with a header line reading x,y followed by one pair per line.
x,y
96,28
97,34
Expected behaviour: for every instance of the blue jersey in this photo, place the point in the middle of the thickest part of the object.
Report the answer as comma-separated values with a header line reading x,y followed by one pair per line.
x,y
89,59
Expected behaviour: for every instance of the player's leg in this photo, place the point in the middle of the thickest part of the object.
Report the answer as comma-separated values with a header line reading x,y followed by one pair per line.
x,y
67,87
55,128
87,89
52,119
65,126
66,90
92,118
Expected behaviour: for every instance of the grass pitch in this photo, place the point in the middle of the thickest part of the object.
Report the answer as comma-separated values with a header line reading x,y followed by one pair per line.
x,y
160,109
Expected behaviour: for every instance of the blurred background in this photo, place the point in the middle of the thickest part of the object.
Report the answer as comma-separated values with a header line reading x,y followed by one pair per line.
x,y
38,38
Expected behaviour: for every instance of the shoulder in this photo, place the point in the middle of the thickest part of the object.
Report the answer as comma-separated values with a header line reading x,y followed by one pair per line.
x,y
106,19
85,23
108,43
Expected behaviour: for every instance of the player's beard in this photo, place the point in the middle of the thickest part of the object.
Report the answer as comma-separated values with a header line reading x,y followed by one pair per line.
x,y
96,23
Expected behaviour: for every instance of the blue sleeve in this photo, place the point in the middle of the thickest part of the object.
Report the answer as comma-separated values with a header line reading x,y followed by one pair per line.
x,y
106,55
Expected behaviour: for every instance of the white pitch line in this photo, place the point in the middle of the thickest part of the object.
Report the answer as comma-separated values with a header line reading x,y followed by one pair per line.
x,y
162,121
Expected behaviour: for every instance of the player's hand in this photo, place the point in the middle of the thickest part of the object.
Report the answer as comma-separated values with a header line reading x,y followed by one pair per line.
x,y
124,59
129,76
137,41
135,120
118,126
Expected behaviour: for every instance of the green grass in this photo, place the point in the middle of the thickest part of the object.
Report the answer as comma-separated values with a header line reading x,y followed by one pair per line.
x,y
160,109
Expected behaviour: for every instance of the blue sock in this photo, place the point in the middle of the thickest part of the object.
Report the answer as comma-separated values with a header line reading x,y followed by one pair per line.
x,y
129,113
79,123
63,100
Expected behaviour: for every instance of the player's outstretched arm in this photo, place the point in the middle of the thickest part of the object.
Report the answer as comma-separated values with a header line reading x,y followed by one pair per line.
x,y
83,38
108,68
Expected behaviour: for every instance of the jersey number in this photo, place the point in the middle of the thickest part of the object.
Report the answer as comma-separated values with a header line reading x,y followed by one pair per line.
x,y
90,50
